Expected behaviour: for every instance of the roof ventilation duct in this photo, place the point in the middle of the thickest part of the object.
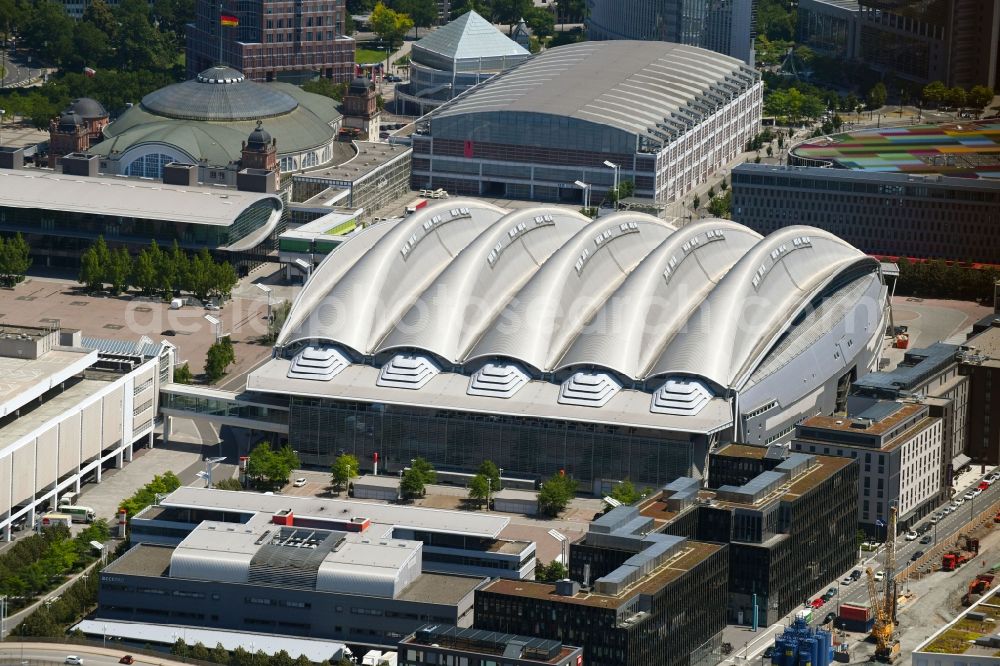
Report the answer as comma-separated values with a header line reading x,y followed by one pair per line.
x,y
318,363
408,371
680,397
588,389
498,380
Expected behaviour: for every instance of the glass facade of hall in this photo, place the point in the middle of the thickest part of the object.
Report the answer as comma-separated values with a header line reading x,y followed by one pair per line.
x,y
321,429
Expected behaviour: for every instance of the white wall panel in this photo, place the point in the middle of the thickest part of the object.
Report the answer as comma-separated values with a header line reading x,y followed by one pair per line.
x,y
92,430
69,444
112,428
5,465
23,473
47,463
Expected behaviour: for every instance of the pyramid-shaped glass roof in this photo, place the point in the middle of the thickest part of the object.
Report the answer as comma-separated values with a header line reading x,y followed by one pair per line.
x,y
469,36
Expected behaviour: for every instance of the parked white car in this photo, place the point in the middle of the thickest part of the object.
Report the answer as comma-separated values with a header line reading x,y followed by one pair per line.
x,y
73,659
912,536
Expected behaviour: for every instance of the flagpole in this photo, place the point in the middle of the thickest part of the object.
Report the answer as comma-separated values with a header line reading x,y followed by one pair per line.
x,y
220,33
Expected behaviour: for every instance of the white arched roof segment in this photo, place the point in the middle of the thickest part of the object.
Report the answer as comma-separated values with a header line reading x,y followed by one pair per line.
x,y
452,313
755,302
629,331
360,308
544,317
322,280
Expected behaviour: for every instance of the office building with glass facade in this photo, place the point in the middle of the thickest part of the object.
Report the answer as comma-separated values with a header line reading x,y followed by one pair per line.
x,y
929,192
666,115
452,646
62,215
789,521
664,605
546,341
724,26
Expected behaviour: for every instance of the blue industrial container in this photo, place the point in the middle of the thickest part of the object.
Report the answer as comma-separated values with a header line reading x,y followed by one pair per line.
x,y
802,645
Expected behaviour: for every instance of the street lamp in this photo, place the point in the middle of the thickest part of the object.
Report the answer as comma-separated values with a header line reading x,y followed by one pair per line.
x,y
216,324
616,167
3,616
209,465
586,194
2,112
267,290
561,538
105,636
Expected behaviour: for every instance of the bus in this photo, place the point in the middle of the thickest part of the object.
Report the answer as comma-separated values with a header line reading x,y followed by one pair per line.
x,y
80,514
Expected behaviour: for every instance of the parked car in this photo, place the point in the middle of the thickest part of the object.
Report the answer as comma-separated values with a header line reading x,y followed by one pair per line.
x,y
912,536
169,332
917,555
769,652
127,659
969,495
73,659
957,502
826,597
392,78
818,603
927,539
879,576
847,580
832,591
936,517
924,528
856,574
299,482
985,483
976,493
830,617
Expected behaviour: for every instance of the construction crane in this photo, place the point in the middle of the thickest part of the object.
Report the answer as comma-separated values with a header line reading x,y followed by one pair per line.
x,y
884,603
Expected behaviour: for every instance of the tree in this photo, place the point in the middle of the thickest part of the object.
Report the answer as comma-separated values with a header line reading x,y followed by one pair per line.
x,y
479,488
182,374
391,26
711,192
269,468
510,12
424,13
93,266
934,93
465,6
412,484
979,97
725,185
956,97
99,14
282,658
489,469
551,572
556,493
242,657
721,206
48,31
327,88
179,648
573,11
541,21
14,259
140,45
219,357
144,272
219,654
877,96
90,46
345,467
119,270
804,55
425,470
696,202
228,484
200,652
625,492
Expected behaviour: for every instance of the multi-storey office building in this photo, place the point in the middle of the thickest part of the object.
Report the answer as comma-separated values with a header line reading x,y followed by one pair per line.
x,y
275,40
285,574
980,362
70,408
664,605
453,542
668,115
898,449
931,375
724,26
444,644
789,521
885,214
829,27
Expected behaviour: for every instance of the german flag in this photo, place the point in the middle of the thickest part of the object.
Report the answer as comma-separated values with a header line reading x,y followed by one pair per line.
x,y
229,20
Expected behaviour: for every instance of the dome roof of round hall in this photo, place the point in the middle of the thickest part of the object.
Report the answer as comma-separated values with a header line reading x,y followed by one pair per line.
x,y
219,94
88,108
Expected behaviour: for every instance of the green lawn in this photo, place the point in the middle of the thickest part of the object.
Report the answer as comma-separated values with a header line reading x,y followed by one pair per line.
x,y
367,56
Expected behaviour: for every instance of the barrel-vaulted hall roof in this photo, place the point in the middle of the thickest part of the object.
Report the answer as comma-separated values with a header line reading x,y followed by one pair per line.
x,y
546,288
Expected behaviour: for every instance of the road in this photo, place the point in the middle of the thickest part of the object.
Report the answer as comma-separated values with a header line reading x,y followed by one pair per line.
x,y
18,71
18,653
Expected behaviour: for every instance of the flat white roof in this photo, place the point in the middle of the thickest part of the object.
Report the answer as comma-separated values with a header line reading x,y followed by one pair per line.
x,y
23,380
317,651
125,197
419,518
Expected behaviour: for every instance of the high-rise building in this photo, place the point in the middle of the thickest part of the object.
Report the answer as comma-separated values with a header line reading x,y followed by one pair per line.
x,y
272,40
726,26
980,361
954,41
